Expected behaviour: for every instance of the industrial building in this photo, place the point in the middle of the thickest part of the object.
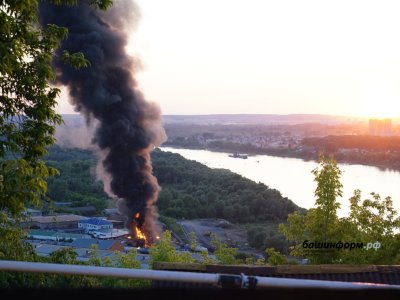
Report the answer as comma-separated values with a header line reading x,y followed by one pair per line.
x,y
65,221
109,245
93,224
48,235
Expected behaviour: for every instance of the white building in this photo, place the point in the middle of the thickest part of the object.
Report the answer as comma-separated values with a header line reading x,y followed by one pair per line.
x,y
94,224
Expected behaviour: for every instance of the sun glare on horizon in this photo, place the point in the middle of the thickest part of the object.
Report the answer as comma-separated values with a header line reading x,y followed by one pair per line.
x,y
379,101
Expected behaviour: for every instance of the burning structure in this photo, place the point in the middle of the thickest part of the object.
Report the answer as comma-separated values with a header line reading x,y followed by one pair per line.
x,y
127,126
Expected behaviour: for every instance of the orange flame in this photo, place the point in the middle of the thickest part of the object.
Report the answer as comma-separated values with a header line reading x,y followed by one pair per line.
x,y
137,232
140,234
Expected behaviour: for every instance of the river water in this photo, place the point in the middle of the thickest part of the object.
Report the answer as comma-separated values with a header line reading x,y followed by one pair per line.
x,y
293,177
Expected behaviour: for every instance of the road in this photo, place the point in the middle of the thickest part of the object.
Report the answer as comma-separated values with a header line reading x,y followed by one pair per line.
x,y
226,232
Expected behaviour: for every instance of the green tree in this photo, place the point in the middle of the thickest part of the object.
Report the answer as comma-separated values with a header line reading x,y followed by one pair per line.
x,y
327,175
11,245
127,260
193,241
205,258
68,256
120,260
224,255
321,223
371,221
64,256
13,248
27,117
164,251
27,101
58,189
94,258
256,236
275,257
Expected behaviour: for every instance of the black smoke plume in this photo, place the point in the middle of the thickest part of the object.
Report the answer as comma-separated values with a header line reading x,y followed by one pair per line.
x,y
106,93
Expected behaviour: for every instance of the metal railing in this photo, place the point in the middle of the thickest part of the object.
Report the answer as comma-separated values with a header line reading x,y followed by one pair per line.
x,y
221,280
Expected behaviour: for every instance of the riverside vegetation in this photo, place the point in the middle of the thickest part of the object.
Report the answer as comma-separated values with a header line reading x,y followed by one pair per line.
x,y
189,190
369,221
27,126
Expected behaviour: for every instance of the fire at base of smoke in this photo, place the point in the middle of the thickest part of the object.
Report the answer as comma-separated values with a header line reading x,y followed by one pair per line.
x,y
127,126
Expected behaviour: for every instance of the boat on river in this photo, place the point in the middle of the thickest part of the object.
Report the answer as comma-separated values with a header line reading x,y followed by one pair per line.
x,y
239,155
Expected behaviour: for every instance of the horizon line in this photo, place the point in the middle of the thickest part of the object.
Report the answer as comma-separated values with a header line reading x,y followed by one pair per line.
x,y
261,114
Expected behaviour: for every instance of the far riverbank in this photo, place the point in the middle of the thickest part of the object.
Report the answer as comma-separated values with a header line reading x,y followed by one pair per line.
x,y
383,161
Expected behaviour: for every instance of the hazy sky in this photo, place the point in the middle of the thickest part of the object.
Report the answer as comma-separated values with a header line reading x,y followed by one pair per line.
x,y
259,56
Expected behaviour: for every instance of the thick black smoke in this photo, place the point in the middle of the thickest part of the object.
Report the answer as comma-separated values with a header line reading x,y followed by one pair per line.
x,y
106,93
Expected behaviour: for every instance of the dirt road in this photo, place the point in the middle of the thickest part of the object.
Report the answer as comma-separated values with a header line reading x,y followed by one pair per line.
x,y
226,232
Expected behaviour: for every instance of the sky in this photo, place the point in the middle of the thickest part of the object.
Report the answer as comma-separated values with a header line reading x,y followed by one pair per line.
x,y
272,57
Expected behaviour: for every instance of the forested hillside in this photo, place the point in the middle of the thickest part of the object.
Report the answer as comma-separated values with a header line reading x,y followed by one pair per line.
x,y
77,180
189,189
192,190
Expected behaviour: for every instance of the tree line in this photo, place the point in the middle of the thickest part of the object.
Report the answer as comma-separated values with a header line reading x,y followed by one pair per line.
x,y
76,181
192,190
189,189
366,142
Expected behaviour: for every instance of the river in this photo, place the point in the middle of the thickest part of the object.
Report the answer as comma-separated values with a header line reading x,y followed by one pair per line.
x,y
293,177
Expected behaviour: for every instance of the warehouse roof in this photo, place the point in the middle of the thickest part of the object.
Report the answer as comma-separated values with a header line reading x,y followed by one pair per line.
x,y
96,221
58,218
56,234
86,243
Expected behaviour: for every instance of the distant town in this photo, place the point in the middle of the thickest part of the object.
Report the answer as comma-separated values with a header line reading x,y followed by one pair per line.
x,y
373,142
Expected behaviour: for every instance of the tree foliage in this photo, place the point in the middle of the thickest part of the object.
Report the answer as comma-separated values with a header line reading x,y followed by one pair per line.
x,y
69,256
76,182
275,257
27,126
27,100
189,190
329,188
193,241
262,236
192,190
27,116
224,255
320,223
164,251
370,221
